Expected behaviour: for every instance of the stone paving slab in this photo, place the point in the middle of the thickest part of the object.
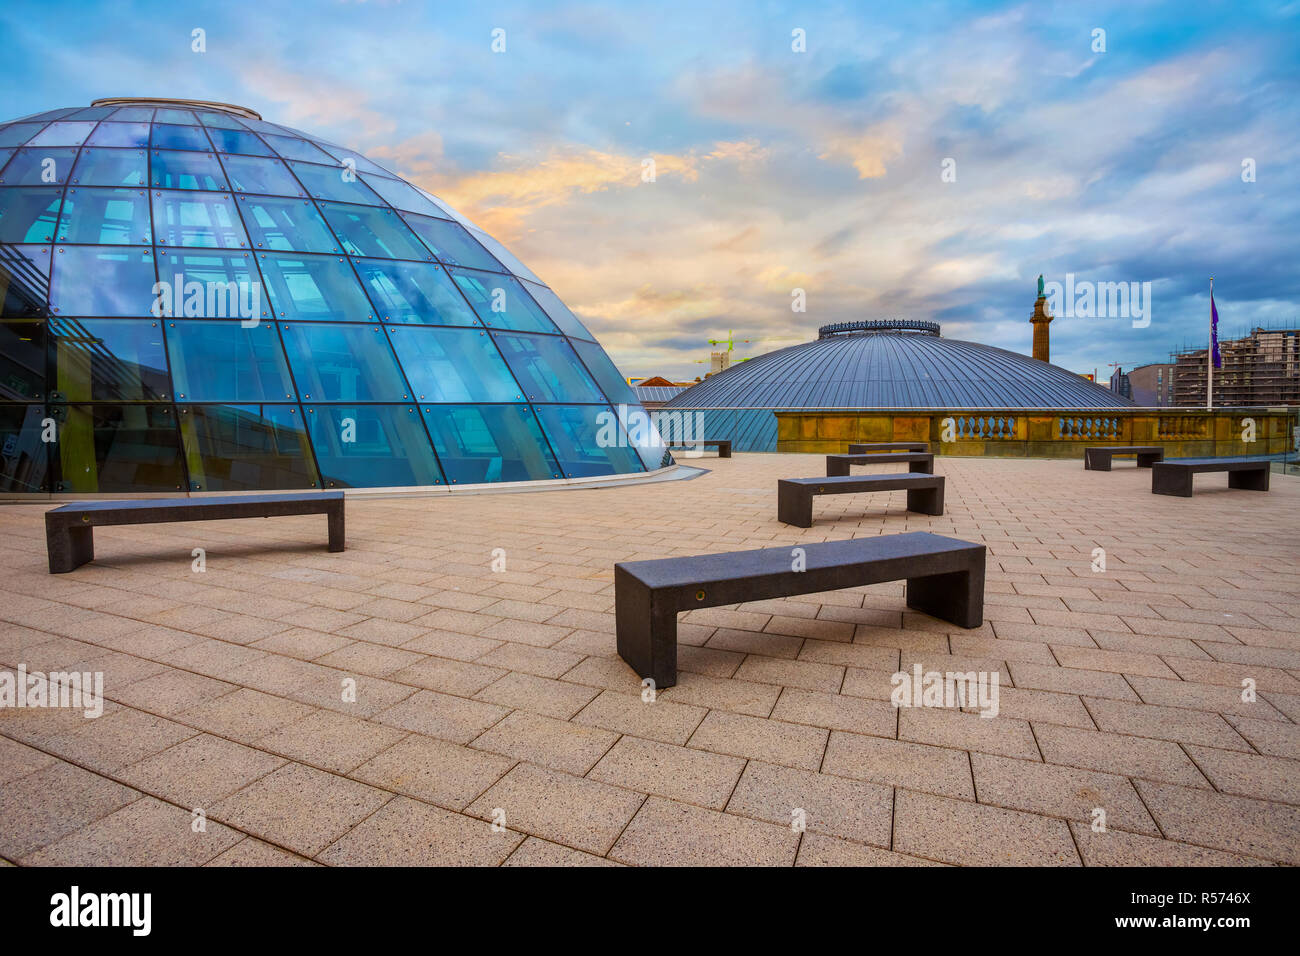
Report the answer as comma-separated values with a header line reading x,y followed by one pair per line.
x,y
391,703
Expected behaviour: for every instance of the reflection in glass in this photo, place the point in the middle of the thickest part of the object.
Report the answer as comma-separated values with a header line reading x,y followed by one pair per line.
x,y
548,368
109,280
28,214
334,182
246,448
22,361
39,167
253,174
238,141
120,134
291,147
484,443
388,446
111,167
560,313
371,231
24,455
24,281
501,301
414,292
291,225
451,243
176,169
179,137
314,288
343,363
401,195
588,440
608,377
114,448
215,273
225,362
196,219
16,134
107,360
454,365
105,217
62,134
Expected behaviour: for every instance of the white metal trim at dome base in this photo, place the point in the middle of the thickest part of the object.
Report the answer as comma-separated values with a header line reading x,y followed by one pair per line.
x,y
168,102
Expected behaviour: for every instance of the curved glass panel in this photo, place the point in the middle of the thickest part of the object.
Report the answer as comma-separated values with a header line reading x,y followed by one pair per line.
x,y
134,135
451,243
105,217
559,313
548,368
454,365
62,134
176,169
486,443
608,377
95,280
333,182
220,120
246,447
133,114
196,219
290,147
371,446
501,302
165,115
39,167
254,174
113,448
504,256
588,440
414,293
292,225
355,160
179,137
24,281
401,195
111,167
314,288
22,361
29,214
210,285
18,133
371,231
107,360
24,455
343,363
226,362
238,141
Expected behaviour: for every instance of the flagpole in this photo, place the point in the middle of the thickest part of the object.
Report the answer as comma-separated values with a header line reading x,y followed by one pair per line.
x,y
1209,355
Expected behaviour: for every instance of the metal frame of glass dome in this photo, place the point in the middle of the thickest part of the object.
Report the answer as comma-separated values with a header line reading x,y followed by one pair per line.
x,y
385,316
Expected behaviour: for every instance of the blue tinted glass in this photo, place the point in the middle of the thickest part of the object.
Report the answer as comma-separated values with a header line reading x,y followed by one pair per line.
x,y
333,182
22,362
314,288
221,120
179,137
133,114
175,116
120,134
504,256
225,362
291,225
451,243
24,281
608,377
246,448
292,148
39,167
501,301
5,153
18,133
560,313
115,280
186,170
105,217
453,365
238,141
388,446
358,162
372,231
28,214
253,174
196,219
90,113
212,285
116,448
414,292
343,363
106,360
62,134
547,368
24,461
588,440
111,167
401,195
486,443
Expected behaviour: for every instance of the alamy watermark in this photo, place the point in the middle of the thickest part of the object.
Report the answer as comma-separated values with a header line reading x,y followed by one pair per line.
x,y
977,689
1085,299
77,690
208,300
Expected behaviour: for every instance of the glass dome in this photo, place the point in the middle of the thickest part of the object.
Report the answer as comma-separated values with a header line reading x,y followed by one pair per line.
x,y
197,299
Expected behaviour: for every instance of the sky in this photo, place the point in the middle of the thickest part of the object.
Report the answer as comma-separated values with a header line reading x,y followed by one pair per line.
x,y
917,160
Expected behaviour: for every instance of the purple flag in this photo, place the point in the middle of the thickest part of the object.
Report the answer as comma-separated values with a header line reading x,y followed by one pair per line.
x,y
1214,334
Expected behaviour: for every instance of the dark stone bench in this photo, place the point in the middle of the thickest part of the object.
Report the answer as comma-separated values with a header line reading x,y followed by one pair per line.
x,y
1098,459
722,444
862,448
945,578
1175,477
794,496
68,530
921,462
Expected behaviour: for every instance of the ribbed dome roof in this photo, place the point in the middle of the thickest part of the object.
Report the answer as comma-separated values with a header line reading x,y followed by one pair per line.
x,y
894,364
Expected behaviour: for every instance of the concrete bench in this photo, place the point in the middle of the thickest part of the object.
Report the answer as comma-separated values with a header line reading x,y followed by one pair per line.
x,y
1098,459
68,530
862,448
921,462
722,444
945,578
1175,477
794,496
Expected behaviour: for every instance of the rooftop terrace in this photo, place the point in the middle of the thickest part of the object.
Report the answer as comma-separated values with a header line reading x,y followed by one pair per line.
x,y
481,690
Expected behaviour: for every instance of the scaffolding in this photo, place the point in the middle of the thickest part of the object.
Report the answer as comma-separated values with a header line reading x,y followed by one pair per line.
x,y
1260,369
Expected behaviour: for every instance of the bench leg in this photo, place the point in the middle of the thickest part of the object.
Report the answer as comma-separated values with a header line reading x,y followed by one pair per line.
x,y
1171,482
724,451
836,468
1146,461
793,506
69,547
336,526
647,631
925,501
1093,461
957,597
1255,480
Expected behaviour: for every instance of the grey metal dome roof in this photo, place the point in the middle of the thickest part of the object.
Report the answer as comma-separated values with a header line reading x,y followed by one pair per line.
x,y
894,364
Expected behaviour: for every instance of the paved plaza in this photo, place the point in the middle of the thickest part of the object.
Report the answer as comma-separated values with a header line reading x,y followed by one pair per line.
x,y
405,703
